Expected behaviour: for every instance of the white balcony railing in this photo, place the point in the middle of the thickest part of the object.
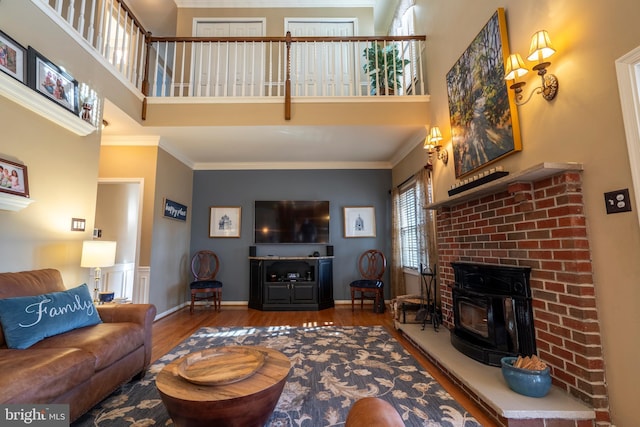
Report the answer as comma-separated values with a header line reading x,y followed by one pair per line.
x,y
314,66
245,67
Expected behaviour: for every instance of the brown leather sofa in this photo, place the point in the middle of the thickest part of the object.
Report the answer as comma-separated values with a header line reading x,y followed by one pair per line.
x,y
80,367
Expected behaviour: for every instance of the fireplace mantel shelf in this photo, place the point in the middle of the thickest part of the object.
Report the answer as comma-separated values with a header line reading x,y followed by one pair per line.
x,y
535,173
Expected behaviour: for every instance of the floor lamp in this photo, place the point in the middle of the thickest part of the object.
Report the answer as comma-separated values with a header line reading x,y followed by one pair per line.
x,y
97,254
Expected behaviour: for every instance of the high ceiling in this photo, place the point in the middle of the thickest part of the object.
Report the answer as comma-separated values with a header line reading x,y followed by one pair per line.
x,y
260,147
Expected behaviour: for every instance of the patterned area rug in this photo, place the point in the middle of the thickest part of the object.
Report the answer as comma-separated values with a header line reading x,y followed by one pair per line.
x,y
332,367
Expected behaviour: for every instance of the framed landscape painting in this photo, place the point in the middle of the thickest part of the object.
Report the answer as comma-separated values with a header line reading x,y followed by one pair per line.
x,y
482,110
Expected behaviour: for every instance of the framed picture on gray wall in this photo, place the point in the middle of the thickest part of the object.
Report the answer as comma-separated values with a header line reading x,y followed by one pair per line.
x,y
224,221
359,221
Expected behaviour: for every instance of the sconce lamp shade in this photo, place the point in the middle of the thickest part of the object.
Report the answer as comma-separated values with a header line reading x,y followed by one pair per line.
x,y
515,67
541,47
433,138
98,253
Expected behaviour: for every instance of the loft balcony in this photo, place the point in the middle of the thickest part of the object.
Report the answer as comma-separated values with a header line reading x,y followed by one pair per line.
x,y
192,81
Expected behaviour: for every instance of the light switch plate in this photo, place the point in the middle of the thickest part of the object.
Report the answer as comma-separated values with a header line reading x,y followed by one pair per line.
x,y
617,201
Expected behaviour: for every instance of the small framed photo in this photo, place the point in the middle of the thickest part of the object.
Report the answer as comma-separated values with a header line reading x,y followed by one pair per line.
x,y
174,210
224,221
48,79
12,57
359,221
13,178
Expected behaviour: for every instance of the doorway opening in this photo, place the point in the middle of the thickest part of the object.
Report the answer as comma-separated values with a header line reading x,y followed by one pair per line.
x,y
628,70
118,218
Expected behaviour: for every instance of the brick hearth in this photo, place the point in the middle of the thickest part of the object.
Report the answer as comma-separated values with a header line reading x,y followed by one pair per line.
x,y
538,221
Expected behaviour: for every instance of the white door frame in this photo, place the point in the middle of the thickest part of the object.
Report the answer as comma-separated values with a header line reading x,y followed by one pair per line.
x,y
140,182
354,21
628,71
204,20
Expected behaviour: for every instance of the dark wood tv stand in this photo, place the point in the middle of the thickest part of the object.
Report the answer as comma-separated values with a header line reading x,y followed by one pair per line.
x,y
291,283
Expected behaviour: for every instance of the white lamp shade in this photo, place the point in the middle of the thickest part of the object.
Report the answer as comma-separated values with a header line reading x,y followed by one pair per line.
x,y
514,67
541,47
435,136
98,253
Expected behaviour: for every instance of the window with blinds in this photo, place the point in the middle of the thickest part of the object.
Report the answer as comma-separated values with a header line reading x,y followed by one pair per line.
x,y
409,227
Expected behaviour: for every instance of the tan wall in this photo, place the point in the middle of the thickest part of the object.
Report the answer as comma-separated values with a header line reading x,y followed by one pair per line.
x,y
135,162
275,17
584,124
62,172
117,217
170,257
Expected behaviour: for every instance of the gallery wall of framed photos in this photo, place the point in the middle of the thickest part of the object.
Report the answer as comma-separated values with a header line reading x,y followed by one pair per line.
x,y
41,74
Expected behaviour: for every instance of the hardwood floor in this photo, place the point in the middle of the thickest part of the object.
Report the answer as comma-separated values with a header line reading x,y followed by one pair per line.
x,y
171,330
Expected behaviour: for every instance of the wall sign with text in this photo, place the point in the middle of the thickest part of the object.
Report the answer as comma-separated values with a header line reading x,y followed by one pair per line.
x,y
175,210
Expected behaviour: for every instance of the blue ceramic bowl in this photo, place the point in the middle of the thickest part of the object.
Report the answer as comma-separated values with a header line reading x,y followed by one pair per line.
x,y
105,296
525,381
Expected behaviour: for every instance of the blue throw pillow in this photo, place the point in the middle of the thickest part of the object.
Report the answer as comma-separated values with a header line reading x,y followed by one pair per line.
x,y
27,320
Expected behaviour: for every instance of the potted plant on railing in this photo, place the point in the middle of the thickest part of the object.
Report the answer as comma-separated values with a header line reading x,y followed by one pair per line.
x,y
384,66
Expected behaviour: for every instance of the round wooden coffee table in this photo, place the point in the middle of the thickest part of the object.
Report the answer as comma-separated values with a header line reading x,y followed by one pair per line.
x,y
244,403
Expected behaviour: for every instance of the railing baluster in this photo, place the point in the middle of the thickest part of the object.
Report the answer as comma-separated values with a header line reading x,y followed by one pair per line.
x,y
199,86
217,82
173,69
164,68
107,50
92,17
100,30
123,57
225,80
70,12
420,68
116,38
253,68
280,45
134,64
269,85
184,45
130,50
80,27
208,90
154,72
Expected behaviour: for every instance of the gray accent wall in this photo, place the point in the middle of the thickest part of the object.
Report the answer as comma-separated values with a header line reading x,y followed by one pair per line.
x,y
341,188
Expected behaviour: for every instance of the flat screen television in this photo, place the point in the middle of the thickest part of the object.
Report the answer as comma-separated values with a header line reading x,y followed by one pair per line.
x,y
286,221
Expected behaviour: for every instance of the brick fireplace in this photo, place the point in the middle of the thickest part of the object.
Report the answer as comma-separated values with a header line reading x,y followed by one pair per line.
x,y
535,219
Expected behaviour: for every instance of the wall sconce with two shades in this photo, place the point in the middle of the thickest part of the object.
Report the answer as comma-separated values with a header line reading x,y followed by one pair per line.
x,y
540,49
432,144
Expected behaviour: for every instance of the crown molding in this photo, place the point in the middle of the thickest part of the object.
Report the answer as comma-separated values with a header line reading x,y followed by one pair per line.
x,y
262,4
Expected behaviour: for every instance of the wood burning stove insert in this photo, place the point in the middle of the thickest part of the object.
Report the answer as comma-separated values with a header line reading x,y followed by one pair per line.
x,y
492,311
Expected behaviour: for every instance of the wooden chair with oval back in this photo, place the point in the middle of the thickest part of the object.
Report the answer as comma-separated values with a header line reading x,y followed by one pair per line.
x,y
204,266
372,265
